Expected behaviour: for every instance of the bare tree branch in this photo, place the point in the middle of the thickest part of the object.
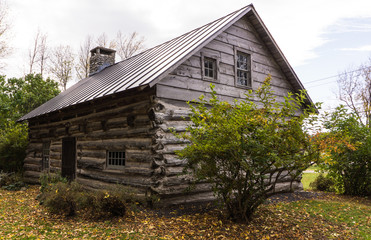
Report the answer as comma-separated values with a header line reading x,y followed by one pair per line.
x,y
43,53
127,46
83,64
62,63
5,50
355,92
103,41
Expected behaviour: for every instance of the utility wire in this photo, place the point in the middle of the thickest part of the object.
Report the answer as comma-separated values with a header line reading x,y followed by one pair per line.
x,y
321,79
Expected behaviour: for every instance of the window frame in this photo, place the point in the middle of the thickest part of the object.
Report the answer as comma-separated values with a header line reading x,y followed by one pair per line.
x,y
116,166
242,51
45,164
216,70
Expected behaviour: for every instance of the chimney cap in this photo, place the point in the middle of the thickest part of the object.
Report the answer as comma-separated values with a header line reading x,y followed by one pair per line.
x,y
102,50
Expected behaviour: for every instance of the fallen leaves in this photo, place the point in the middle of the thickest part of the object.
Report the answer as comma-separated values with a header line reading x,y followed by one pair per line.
x,y
22,217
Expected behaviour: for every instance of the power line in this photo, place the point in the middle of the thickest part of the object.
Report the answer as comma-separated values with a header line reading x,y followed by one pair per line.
x,y
321,79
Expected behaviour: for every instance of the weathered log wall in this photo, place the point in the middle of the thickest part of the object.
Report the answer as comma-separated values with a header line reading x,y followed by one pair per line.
x,y
121,123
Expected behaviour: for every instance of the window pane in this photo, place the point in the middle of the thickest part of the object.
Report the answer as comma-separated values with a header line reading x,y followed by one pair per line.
x,y
209,67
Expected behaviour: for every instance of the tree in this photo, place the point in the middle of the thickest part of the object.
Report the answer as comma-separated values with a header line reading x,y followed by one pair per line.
x,y
346,146
62,63
38,54
83,64
103,41
127,46
19,96
355,92
5,50
244,150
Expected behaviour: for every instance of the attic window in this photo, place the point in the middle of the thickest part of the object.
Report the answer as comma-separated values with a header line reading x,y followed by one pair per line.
x,y
210,68
243,69
115,160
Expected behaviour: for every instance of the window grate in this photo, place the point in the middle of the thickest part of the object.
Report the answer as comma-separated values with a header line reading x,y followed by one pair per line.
x,y
45,156
115,159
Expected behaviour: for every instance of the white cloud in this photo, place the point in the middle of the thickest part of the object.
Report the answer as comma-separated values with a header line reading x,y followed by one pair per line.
x,y
365,48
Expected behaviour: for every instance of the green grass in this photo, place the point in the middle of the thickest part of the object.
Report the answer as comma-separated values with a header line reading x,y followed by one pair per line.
x,y
307,179
341,216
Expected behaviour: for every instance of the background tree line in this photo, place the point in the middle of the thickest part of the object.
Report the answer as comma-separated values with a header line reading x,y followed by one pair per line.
x,y
49,69
62,63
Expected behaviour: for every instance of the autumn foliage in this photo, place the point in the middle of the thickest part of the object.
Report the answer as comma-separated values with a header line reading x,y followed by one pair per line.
x,y
346,151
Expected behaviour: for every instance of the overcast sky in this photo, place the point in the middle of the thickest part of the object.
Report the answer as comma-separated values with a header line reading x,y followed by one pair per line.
x,y
320,38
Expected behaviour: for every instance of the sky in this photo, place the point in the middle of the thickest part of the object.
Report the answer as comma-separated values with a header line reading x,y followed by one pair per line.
x,y
320,38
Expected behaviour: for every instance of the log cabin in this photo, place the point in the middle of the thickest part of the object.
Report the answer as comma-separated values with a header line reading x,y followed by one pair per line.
x,y
113,126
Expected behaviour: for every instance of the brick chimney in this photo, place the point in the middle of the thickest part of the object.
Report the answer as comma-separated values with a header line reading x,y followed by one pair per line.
x,y
100,59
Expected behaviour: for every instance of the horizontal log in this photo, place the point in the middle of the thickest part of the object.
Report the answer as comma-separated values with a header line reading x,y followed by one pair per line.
x,y
118,133
32,167
119,144
113,177
91,163
32,174
187,198
102,154
32,160
183,189
57,163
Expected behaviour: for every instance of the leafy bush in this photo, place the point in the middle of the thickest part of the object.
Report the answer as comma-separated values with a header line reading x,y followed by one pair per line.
x,y
48,179
11,181
323,183
245,149
347,152
61,197
13,143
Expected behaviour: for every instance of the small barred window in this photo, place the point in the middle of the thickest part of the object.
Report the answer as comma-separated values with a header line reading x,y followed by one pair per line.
x,y
115,159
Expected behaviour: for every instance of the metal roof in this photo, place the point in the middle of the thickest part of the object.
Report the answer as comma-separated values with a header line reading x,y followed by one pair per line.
x,y
148,67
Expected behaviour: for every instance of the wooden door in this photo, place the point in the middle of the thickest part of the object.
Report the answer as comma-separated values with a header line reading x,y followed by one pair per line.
x,y
69,158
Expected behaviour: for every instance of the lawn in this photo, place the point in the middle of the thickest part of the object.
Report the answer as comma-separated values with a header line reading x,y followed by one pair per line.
x,y
308,178
333,216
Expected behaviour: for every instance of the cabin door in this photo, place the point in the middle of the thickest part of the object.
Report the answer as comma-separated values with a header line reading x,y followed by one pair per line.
x,y
69,158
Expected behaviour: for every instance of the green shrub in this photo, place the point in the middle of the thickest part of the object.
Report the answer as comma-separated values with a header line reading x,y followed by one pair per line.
x,y
13,143
244,149
47,179
62,197
323,183
11,181
348,152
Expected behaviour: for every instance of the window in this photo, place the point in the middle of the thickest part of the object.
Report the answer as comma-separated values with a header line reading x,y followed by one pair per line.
x,y
210,68
115,160
243,69
45,156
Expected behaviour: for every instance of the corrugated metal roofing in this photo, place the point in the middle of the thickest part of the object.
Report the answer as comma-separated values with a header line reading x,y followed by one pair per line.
x,y
146,68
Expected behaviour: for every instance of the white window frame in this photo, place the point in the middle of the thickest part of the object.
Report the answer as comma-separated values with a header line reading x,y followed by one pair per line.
x,y
238,51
